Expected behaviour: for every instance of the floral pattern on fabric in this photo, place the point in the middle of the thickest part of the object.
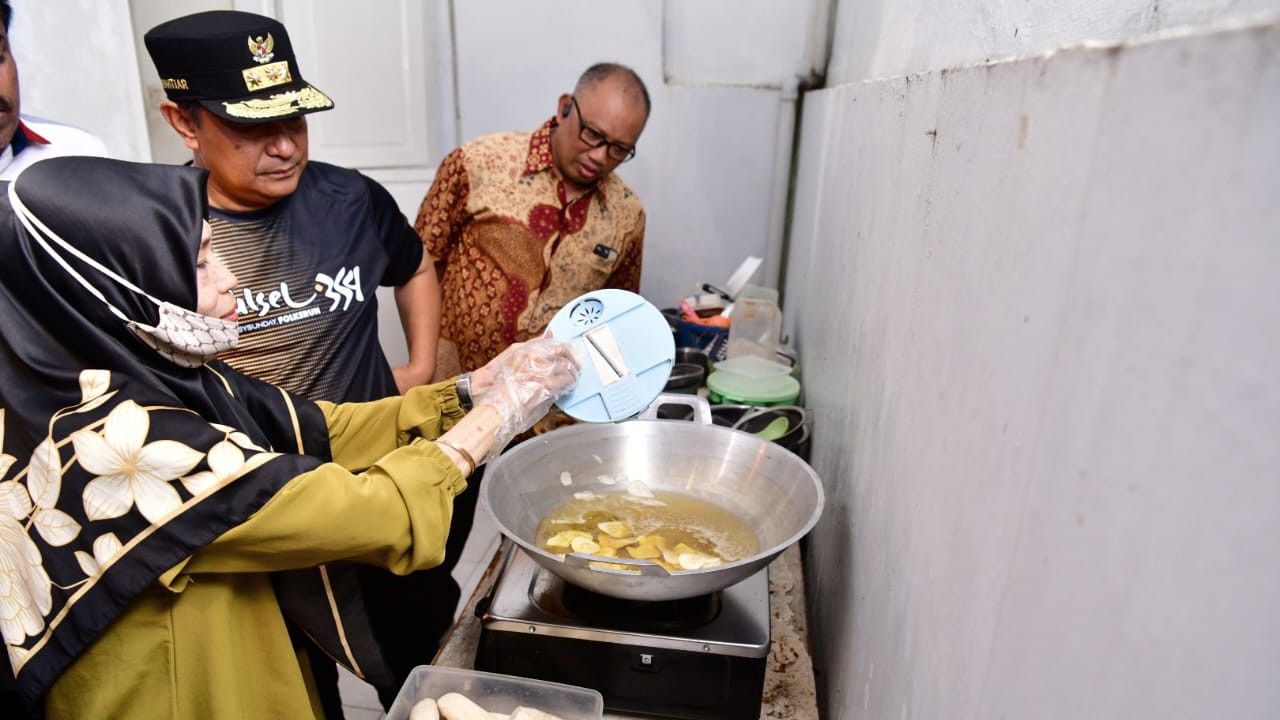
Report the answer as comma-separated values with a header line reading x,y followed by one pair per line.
x,y
129,475
516,249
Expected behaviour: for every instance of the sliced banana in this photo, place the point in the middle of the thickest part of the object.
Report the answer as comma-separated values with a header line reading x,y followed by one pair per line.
x,y
691,561
606,541
616,529
585,545
635,488
644,552
565,538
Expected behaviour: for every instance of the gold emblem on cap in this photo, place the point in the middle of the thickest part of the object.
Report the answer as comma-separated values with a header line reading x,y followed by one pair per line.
x,y
262,49
265,76
174,84
282,104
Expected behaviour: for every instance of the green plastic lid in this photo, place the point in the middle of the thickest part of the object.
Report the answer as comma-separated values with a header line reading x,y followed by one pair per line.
x,y
771,390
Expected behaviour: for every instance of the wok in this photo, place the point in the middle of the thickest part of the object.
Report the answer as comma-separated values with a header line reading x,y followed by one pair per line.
x,y
765,485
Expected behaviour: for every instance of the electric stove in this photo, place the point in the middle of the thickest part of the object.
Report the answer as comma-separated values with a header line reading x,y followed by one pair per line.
x,y
697,658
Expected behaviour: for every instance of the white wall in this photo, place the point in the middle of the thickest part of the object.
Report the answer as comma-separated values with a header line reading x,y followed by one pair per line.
x,y
706,159
76,64
1038,325
884,38
760,43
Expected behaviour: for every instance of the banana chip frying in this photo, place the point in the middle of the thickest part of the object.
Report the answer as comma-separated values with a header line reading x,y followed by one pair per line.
x,y
676,532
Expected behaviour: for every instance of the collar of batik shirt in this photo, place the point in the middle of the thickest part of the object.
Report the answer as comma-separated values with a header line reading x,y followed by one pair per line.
x,y
539,159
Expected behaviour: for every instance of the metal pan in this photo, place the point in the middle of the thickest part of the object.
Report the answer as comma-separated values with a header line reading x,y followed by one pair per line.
x,y
770,488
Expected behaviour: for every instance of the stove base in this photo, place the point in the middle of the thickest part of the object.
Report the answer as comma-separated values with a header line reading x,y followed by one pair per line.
x,y
633,679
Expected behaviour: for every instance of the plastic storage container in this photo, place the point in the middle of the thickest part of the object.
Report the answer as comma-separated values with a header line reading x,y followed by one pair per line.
x,y
756,323
753,367
776,389
497,693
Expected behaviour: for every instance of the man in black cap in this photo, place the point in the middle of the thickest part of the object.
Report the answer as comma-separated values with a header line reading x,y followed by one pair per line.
x,y
310,243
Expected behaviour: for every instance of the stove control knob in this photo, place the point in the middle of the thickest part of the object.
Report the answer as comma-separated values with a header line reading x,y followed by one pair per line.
x,y
646,662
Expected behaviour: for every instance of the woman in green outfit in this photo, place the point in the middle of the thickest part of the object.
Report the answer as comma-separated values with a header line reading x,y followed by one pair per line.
x,y
152,499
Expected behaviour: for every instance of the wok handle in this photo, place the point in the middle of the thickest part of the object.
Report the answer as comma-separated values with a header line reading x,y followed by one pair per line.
x,y
701,410
646,568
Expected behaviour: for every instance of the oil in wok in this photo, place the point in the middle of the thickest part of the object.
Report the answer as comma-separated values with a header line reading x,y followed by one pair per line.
x,y
676,531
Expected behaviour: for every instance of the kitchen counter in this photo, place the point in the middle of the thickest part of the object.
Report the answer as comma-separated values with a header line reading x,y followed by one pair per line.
x,y
788,683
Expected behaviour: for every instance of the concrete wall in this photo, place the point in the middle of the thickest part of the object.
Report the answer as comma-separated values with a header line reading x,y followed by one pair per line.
x,y
1037,311
884,38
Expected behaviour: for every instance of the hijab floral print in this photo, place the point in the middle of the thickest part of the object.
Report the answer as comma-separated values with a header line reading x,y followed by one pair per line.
x,y
130,475
117,462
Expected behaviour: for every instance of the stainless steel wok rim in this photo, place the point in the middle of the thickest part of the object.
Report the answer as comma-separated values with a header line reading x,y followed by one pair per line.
x,y
568,432
587,428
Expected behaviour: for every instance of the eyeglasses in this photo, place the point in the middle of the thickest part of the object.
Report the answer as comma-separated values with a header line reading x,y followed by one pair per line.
x,y
593,138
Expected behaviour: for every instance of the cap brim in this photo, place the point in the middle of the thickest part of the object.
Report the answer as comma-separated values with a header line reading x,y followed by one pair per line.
x,y
269,107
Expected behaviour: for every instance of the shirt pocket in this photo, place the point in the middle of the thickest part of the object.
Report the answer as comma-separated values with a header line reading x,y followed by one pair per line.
x,y
591,265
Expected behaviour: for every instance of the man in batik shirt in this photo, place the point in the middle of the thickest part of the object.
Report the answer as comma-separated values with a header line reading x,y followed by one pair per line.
x,y
522,223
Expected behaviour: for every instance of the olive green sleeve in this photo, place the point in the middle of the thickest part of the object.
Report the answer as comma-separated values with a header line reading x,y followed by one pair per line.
x,y
361,433
394,515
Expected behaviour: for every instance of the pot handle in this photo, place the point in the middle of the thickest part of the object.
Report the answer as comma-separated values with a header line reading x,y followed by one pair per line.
x,y
645,567
701,410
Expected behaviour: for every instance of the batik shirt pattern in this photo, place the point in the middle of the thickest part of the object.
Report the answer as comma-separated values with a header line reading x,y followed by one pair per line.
x,y
516,249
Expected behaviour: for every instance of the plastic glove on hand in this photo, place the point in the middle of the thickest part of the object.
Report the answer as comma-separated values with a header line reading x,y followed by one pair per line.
x,y
522,382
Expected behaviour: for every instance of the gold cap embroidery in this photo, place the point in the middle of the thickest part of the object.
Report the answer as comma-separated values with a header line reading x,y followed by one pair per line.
x,y
265,76
276,105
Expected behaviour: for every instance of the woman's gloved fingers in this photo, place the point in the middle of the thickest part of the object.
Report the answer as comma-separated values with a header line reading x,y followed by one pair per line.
x,y
523,381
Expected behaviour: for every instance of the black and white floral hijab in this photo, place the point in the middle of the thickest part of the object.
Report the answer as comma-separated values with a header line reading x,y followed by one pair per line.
x,y
116,463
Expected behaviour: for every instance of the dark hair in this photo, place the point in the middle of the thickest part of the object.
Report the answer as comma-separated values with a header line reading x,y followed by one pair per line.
x,y
6,13
190,108
600,72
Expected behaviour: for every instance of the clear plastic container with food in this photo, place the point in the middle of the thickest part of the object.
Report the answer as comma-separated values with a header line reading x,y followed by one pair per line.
x,y
496,694
757,320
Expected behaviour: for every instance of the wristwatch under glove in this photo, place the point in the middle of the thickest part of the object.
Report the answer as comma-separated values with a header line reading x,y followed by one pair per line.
x,y
464,391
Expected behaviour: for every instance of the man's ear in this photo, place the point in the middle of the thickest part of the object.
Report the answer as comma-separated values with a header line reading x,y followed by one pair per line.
x,y
563,106
181,123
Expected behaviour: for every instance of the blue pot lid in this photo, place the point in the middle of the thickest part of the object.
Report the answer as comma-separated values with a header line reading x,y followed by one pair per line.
x,y
627,351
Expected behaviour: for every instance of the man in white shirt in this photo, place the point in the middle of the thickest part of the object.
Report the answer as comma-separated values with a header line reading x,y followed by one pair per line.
x,y
28,139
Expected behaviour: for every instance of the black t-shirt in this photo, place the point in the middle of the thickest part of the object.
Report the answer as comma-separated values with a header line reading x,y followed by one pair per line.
x,y
309,267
